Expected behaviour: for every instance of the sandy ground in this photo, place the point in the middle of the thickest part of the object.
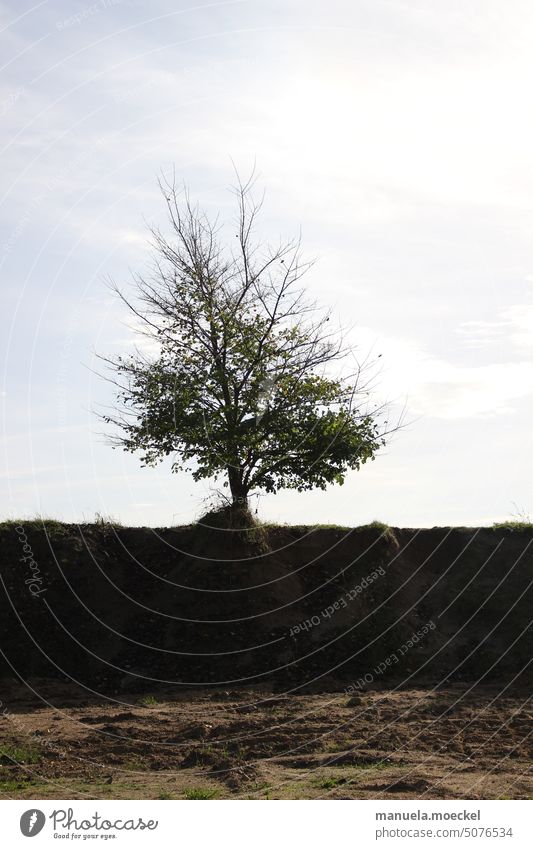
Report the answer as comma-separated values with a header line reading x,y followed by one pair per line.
x,y
255,744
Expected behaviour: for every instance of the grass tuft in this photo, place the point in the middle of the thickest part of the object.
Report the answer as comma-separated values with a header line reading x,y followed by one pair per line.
x,y
13,784
19,753
148,701
241,527
517,525
201,793
330,783
102,521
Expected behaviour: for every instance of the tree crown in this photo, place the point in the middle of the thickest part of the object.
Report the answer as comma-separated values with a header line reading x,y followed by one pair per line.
x,y
242,382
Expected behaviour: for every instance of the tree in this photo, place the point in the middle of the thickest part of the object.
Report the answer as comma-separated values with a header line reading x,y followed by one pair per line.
x,y
242,384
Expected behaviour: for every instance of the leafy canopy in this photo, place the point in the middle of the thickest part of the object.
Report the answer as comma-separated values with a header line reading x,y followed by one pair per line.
x,y
241,383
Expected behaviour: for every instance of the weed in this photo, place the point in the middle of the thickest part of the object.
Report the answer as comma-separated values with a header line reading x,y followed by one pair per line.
x,y
260,785
385,530
148,701
370,765
53,527
134,764
201,793
337,745
106,521
243,527
19,753
330,783
513,526
12,785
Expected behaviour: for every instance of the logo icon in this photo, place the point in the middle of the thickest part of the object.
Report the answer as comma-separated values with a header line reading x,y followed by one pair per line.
x,y
32,822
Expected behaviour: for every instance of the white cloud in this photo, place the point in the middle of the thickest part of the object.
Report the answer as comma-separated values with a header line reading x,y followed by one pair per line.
x,y
454,392
513,328
520,318
133,237
438,388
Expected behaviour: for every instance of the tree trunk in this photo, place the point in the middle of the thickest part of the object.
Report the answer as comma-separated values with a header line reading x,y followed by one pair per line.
x,y
239,492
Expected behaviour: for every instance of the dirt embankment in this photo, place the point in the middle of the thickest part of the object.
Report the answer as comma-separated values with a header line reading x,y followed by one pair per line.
x,y
129,609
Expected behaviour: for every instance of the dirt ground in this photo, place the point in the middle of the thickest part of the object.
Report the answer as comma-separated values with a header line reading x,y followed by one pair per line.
x,y
457,742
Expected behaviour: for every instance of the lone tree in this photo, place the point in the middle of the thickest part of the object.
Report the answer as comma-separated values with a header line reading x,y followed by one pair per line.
x,y
241,383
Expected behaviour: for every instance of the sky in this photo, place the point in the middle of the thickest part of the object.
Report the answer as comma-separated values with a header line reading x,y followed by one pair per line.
x,y
397,136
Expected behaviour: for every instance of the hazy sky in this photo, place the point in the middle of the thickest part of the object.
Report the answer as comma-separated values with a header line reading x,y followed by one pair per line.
x,y
398,135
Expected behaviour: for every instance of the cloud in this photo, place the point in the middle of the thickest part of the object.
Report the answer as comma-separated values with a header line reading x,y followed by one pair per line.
x,y
455,392
435,387
514,327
